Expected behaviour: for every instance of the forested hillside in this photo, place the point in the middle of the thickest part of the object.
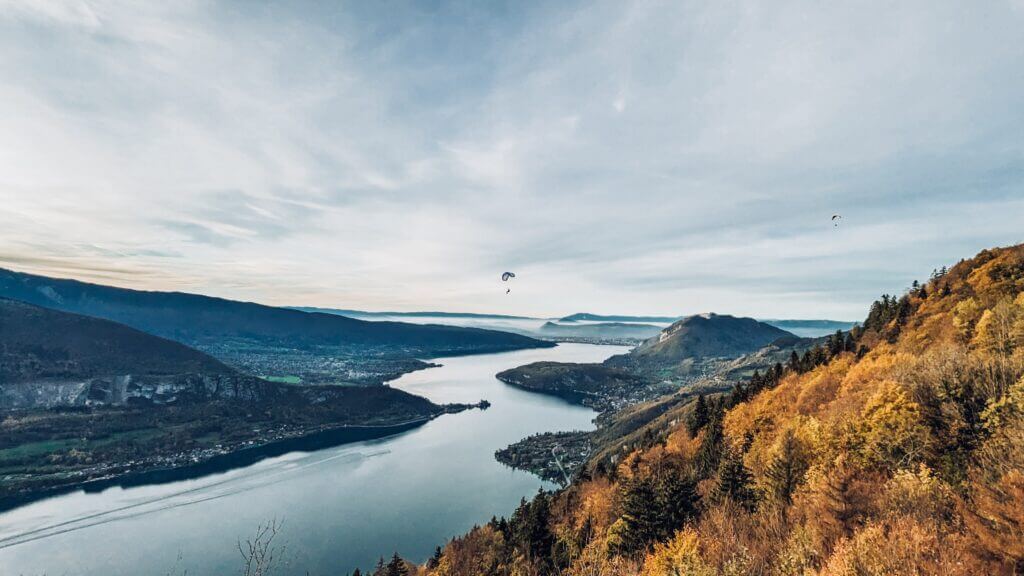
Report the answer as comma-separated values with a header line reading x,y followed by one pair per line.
x,y
897,448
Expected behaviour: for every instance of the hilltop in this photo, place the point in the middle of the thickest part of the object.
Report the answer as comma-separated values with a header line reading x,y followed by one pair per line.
x,y
699,338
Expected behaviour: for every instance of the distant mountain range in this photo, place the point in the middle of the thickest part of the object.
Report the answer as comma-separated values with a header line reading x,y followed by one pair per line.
x,y
192,318
588,317
365,314
611,328
609,331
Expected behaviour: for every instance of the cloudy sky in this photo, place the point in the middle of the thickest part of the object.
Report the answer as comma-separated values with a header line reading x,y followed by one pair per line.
x,y
620,157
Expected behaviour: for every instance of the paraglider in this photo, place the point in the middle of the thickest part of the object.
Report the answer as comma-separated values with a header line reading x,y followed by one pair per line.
x,y
505,278
835,219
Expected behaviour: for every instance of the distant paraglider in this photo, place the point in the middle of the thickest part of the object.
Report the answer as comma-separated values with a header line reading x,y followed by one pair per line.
x,y
505,278
835,219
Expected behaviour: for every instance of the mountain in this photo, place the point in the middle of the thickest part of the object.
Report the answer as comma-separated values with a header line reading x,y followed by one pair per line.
x,y
602,331
895,449
588,317
689,342
191,318
365,314
811,328
805,328
39,343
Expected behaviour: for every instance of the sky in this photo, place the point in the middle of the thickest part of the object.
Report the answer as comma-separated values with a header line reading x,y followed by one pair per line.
x,y
620,157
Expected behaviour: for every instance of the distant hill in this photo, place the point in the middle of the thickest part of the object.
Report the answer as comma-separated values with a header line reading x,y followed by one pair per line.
x,y
365,314
588,317
194,319
806,328
811,328
39,343
600,330
706,336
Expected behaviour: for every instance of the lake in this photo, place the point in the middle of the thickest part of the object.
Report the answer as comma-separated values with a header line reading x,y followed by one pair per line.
x,y
339,508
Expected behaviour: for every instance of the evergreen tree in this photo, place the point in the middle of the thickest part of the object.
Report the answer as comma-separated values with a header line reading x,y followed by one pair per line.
x,y
709,455
530,529
677,500
735,482
699,417
396,567
794,361
786,471
435,559
357,573
923,293
850,343
640,515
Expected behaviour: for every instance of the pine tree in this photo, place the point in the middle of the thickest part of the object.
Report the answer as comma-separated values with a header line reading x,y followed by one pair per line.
x,y
677,501
396,567
699,417
434,560
735,482
849,343
786,471
709,455
794,361
639,515
530,529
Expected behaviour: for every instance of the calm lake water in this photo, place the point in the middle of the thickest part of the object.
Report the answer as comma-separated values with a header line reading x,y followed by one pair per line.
x,y
341,507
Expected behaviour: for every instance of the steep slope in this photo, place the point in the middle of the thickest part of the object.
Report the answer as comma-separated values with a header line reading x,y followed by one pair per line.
x,y
706,336
192,318
896,450
698,347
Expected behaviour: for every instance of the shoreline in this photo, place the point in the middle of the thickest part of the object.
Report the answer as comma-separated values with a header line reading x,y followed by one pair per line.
x,y
196,466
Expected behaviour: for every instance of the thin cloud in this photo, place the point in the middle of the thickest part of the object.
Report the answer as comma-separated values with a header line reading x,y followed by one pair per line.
x,y
647,157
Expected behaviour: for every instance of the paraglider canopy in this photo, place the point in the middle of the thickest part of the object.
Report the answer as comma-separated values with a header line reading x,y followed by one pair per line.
x,y
836,216
506,276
